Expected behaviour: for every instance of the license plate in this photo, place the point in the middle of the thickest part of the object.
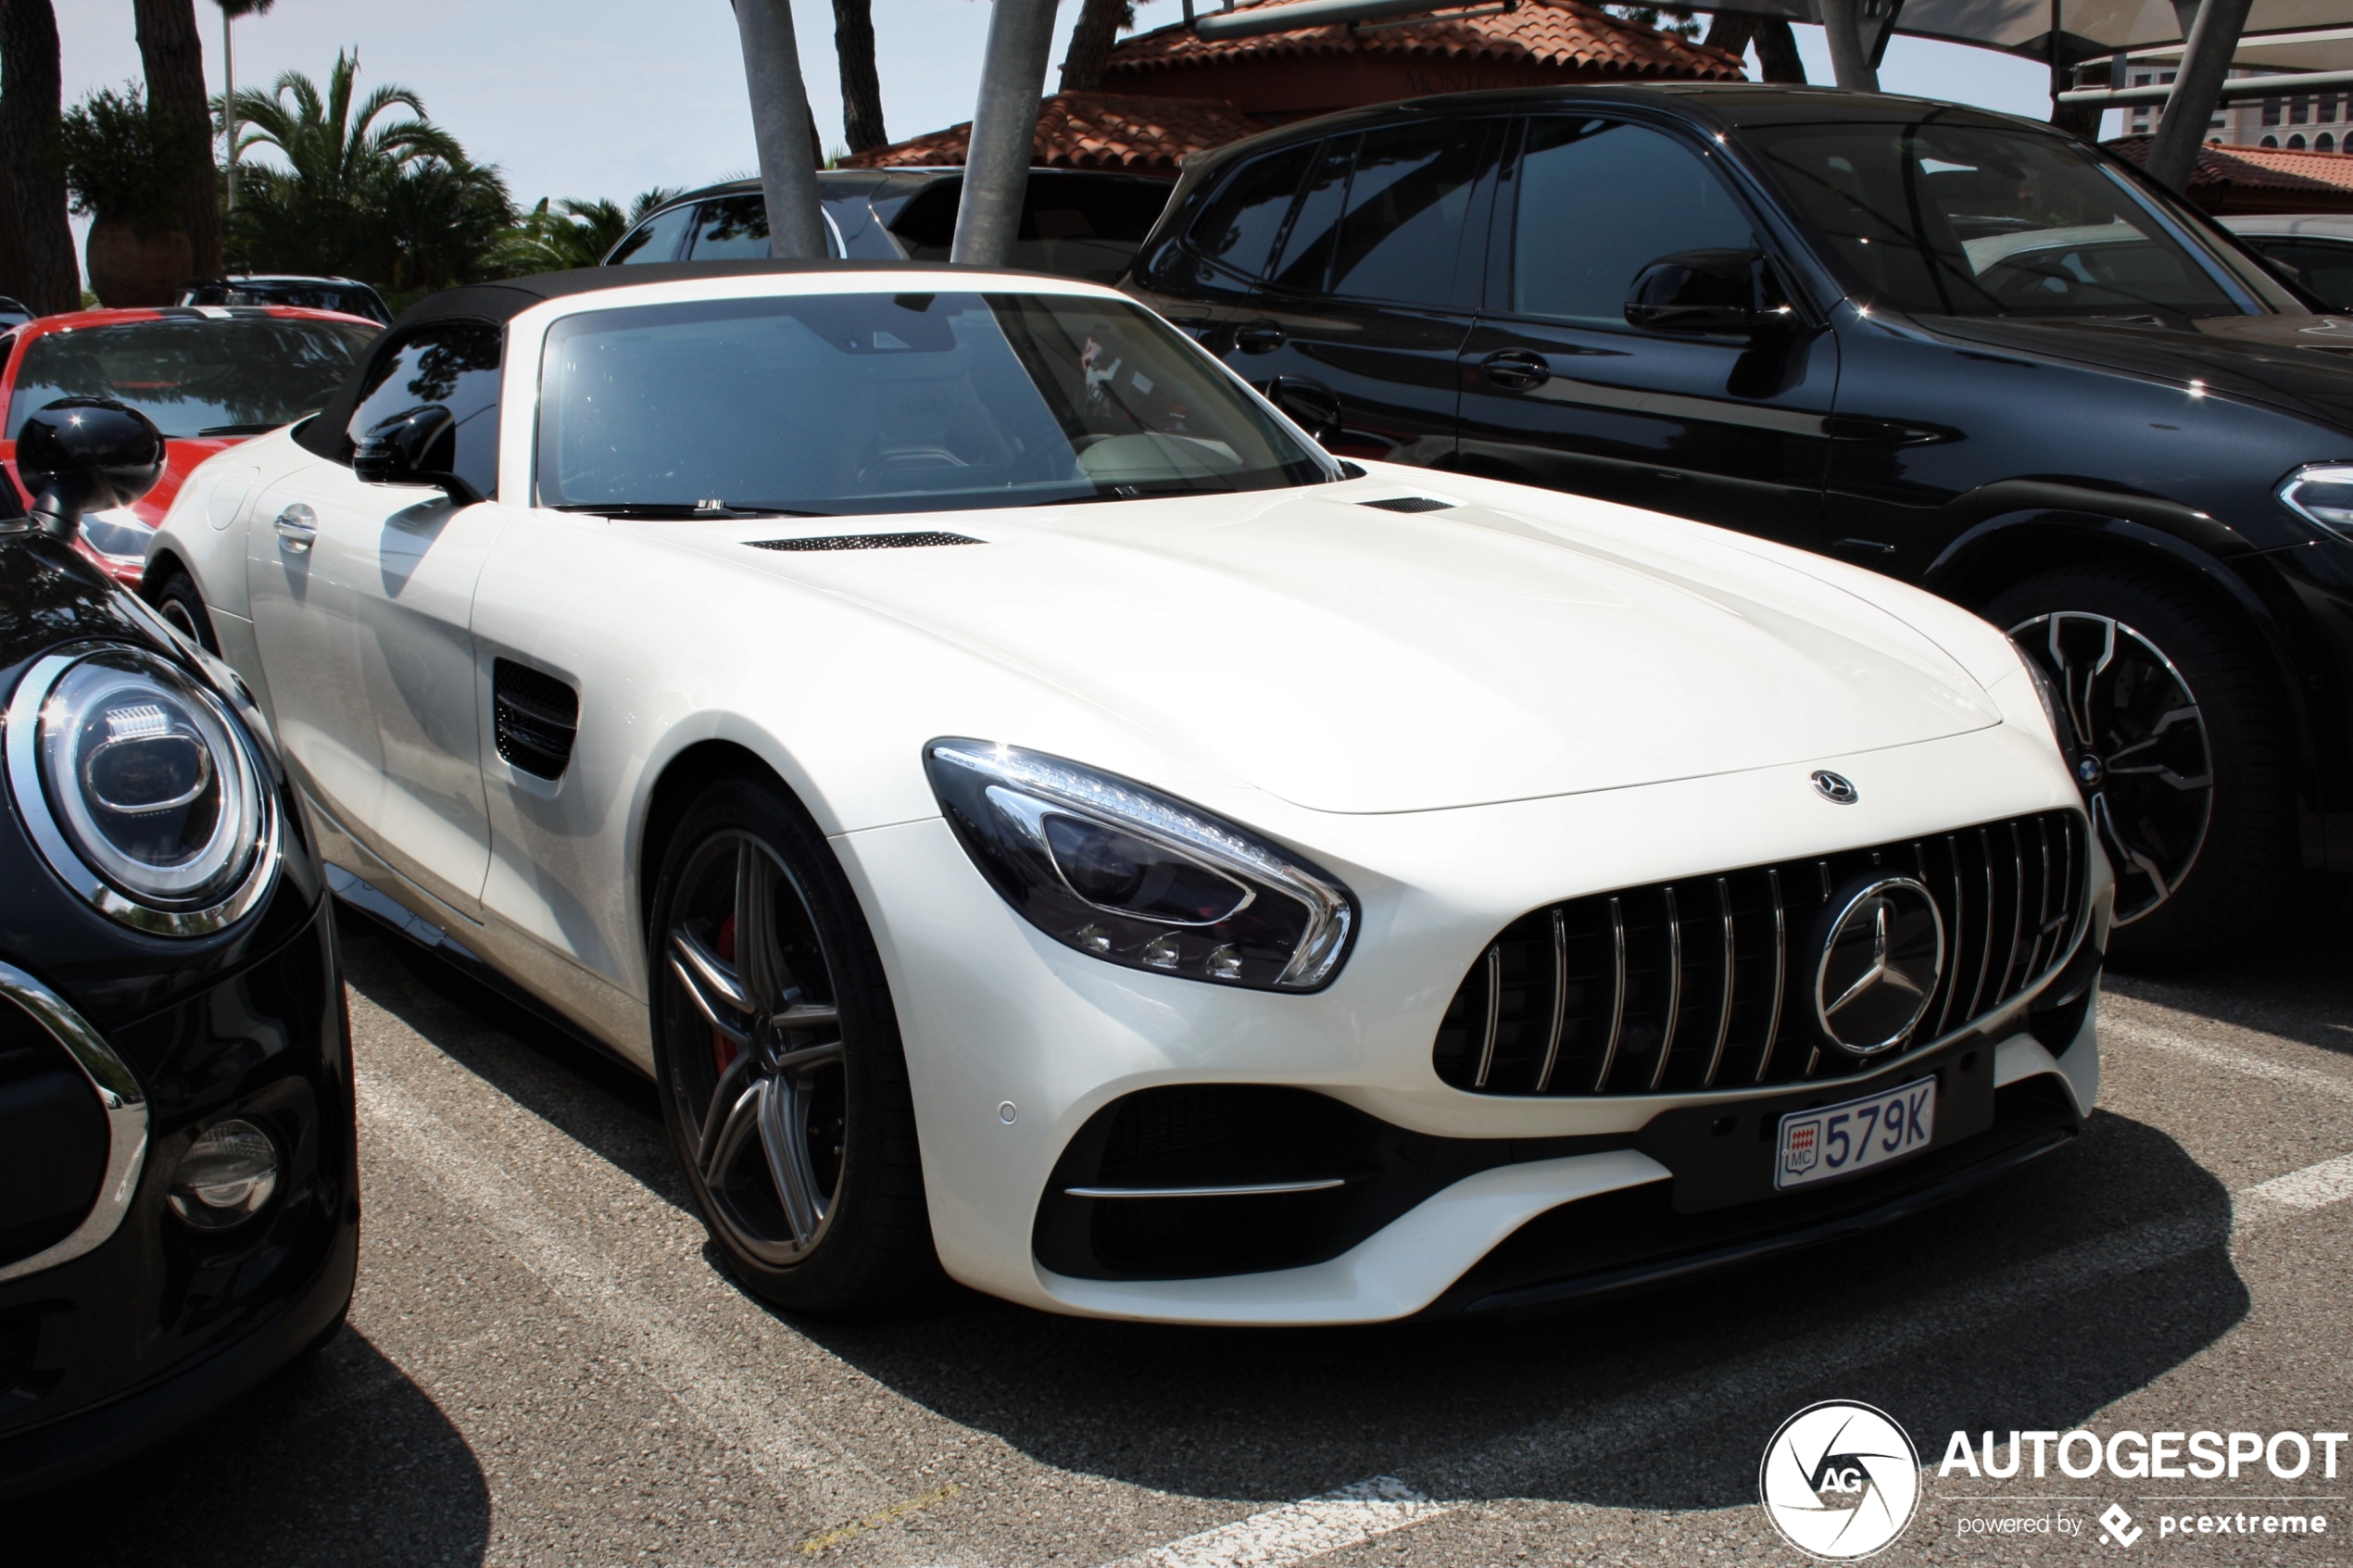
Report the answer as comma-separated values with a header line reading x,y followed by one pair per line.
x,y
1837,1141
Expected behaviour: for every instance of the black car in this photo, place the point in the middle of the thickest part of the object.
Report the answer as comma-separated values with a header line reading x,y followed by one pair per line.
x,y
1077,223
1951,344
178,1192
348,294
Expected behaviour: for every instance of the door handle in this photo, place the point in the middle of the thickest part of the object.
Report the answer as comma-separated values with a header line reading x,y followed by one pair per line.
x,y
1516,369
297,527
1258,337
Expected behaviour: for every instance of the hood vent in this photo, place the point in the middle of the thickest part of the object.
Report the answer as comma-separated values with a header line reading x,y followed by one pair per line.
x,y
538,717
1410,504
863,542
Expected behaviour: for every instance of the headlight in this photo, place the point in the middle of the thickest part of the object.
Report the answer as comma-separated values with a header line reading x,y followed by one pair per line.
x,y
2054,701
117,533
1129,875
141,790
2323,493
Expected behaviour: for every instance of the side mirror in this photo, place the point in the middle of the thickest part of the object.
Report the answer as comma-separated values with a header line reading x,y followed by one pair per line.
x,y
1723,292
81,455
416,448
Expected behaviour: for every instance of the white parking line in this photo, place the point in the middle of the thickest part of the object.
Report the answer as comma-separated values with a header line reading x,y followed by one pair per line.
x,y
2315,1186
771,1435
2133,1032
1298,1531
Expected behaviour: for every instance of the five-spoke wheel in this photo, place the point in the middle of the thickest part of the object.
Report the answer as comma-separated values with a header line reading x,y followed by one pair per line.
x,y
783,1081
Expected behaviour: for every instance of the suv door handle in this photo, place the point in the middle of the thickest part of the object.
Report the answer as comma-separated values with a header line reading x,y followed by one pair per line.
x,y
1258,337
297,527
1516,369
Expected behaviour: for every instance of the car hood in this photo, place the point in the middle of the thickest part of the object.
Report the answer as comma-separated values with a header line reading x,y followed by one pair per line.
x,y
1351,658
2300,364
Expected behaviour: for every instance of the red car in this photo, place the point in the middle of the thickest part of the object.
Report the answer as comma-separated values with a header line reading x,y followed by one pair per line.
x,y
209,376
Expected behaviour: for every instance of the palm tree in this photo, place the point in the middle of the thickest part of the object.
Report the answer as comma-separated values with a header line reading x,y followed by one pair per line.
x,y
395,201
861,110
36,249
173,60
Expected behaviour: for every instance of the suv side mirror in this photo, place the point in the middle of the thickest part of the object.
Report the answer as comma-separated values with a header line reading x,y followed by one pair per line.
x,y
82,455
1728,292
416,448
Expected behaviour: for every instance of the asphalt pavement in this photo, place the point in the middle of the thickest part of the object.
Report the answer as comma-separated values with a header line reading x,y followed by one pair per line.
x,y
547,1364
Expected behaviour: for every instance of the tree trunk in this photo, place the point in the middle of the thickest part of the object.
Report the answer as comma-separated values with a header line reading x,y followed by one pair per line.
x,y
1777,51
781,129
1091,42
174,62
1731,31
32,174
861,110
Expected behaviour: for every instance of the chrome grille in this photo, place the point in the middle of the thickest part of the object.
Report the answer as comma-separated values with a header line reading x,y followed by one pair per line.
x,y
1707,981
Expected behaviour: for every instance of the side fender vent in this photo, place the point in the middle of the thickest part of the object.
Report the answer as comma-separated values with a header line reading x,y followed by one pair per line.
x,y
863,542
1410,504
538,717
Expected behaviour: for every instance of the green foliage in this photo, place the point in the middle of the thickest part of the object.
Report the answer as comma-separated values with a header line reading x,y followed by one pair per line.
x,y
574,233
1671,20
394,201
119,157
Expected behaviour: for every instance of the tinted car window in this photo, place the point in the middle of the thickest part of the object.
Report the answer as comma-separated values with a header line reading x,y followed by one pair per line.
x,y
1308,246
731,228
880,403
654,240
237,377
1237,227
1599,202
1408,199
455,365
1955,221
1073,225
2325,267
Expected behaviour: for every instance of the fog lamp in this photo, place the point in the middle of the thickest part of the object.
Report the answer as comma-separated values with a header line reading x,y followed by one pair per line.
x,y
225,1177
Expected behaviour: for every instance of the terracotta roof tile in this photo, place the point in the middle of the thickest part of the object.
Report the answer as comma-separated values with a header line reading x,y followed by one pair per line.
x,y
1560,33
1092,131
2270,169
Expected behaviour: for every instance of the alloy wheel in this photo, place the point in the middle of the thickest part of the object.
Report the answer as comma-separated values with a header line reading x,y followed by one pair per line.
x,y
765,1090
2138,747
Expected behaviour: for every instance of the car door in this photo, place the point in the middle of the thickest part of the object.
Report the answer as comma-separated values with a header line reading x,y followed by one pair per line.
x,y
1374,289
1559,389
363,598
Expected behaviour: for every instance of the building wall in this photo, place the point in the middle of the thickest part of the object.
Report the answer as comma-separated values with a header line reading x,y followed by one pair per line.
x,y
2305,122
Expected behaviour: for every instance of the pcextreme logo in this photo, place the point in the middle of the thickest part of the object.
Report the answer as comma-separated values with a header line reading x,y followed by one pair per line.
x,y
1840,1480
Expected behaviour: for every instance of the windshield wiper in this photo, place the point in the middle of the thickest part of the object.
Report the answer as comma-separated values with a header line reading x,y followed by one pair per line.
x,y
1144,493
678,511
237,430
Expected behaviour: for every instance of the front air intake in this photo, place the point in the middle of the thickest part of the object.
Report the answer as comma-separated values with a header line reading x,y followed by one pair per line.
x,y
1708,981
1410,504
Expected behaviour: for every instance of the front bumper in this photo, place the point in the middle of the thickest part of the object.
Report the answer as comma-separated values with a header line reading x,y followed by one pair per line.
x,y
113,1350
1015,1044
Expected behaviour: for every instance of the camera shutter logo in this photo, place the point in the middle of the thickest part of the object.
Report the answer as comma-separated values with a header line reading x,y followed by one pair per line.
x,y
1840,1480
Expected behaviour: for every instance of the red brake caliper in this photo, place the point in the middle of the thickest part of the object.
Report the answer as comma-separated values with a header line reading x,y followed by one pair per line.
x,y
723,1049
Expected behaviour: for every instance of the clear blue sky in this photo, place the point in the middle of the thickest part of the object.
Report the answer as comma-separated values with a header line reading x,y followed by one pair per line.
x,y
606,98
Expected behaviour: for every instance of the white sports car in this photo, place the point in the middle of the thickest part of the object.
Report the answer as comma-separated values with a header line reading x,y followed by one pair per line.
x,y
1028,806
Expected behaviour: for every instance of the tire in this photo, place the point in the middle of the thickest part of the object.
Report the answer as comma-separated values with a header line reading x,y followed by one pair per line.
x,y
781,1078
2202,859
177,601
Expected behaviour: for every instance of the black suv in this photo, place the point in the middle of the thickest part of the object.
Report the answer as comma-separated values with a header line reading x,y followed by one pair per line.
x,y
1951,344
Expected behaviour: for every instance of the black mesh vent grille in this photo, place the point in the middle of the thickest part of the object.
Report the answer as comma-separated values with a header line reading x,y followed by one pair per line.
x,y
1410,504
538,717
1707,983
863,542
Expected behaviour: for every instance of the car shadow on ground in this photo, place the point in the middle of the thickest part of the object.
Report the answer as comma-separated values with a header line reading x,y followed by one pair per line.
x,y
341,1448
2291,981
1662,1399
2028,1304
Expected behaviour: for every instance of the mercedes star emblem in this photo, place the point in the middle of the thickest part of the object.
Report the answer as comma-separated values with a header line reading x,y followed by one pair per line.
x,y
1836,788
1881,961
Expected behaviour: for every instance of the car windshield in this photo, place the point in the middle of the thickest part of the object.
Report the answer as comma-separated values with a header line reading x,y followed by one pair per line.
x,y
1951,221
884,403
238,377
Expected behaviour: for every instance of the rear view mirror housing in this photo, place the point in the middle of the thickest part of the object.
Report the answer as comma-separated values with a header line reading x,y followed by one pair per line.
x,y
1724,293
81,455
418,447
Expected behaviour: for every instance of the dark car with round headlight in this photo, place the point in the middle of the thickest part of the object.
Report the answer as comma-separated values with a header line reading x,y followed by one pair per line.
x,y
179,1192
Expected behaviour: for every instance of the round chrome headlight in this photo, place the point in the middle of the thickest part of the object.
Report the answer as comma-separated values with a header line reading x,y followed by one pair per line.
x,y
142,790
